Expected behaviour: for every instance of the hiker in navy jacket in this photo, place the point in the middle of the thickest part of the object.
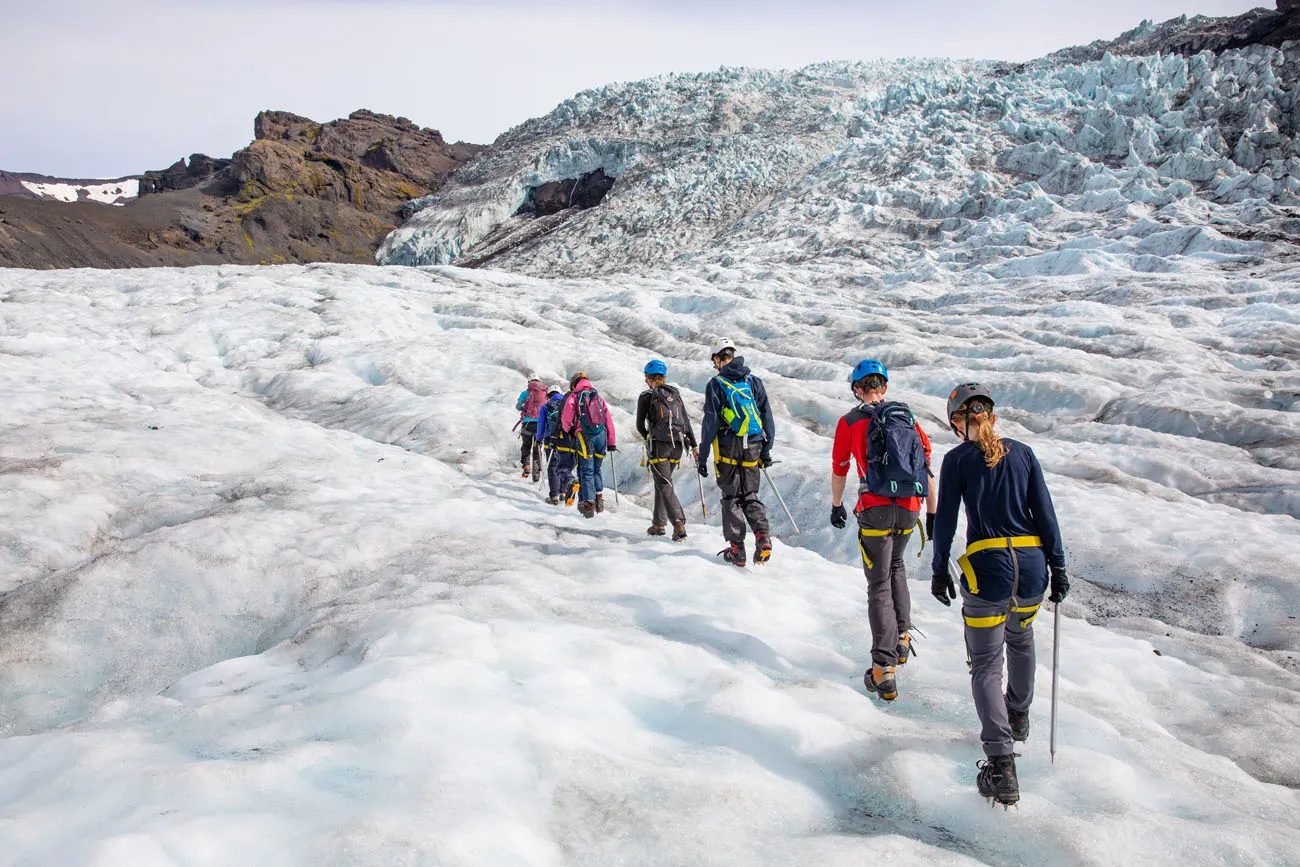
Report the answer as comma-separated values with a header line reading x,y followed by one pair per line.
x,y
561,484
1013,544
737,459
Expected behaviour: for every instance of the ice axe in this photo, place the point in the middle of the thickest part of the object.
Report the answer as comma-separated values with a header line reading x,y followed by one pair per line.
x,y
1056,659
613,466
780,499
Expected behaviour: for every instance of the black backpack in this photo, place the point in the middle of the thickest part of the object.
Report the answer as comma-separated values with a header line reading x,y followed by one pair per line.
x,y
896,464
666,416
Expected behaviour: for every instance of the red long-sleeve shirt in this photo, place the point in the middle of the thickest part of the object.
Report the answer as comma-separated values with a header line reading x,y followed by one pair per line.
x,y
851,443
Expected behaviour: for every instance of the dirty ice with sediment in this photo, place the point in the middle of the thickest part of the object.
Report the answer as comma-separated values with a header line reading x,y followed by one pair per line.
x,y
273,592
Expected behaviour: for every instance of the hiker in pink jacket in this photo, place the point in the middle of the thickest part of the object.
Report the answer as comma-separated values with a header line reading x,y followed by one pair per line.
x,y
586,417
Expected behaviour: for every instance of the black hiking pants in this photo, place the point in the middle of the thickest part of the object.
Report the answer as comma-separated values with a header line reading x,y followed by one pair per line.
x,y
663,459
530,449
739,476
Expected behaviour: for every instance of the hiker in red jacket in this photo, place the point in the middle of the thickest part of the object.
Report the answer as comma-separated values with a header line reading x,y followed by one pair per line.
x,y
892,454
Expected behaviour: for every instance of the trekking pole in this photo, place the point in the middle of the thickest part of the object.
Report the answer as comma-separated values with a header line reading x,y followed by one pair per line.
x,y
1056,659
780,499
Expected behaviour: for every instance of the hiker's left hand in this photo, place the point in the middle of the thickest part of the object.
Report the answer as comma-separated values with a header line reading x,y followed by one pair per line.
x,y
765,460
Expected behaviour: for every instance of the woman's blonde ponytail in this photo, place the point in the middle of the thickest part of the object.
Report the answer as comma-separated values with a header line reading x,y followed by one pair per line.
x,y
989,442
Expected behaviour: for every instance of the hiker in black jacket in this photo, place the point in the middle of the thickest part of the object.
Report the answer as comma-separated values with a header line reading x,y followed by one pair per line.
x,y
738,427
662,422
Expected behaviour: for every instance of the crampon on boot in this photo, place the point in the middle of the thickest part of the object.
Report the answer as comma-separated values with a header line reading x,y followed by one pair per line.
x,y
905,650
762,547
537,472
880,680
528,471
997,780
679,531
1019,720
553,500
587,509
734,554
600,503
656,530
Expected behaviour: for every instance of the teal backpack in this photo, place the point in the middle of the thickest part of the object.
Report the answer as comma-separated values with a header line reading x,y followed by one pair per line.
x,y
740,411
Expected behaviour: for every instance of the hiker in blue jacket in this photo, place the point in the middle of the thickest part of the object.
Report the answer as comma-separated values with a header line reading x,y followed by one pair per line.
x,y
529,405
1013,544
560,448
738,427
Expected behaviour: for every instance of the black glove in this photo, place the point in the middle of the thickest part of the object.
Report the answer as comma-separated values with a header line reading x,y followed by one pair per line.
x,y
941,587
929,525
703,467
1060,585
612,449
765,460
839,517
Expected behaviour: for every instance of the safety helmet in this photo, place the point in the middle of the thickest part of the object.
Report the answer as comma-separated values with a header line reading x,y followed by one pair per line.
x,y
866,367
721,345
573,380
964,392
656,368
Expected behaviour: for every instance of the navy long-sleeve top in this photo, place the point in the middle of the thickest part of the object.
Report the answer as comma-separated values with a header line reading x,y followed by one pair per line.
x,y
1010,499
714,400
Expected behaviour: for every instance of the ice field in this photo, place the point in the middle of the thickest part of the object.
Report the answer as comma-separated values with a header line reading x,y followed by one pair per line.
x,y
274,593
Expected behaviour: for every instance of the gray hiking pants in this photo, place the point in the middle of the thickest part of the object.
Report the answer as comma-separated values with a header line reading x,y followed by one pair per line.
x,y
664,458
989,627
738,477
883,534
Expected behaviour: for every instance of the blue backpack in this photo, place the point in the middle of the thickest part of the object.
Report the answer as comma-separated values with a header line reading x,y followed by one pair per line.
x,y
591,413
896,464
740,410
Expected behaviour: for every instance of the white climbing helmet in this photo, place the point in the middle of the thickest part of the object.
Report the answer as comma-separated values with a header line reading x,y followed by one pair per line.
x,y
721,344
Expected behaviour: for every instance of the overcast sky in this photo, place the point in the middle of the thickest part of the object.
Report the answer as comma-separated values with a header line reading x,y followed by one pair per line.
x,y
100,88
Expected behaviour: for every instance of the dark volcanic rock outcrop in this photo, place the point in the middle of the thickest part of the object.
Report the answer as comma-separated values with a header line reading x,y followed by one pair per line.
x,y
300,192
1184,35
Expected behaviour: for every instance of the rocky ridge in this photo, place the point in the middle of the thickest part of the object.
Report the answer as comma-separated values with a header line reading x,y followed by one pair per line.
x,y
302,191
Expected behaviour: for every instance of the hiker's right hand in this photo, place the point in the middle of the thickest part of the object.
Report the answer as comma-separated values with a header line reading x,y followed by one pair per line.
x,y
839,517
702,467
1060,585
941,587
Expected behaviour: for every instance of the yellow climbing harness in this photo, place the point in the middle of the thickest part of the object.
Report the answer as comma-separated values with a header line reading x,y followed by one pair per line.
x,y
1007,542
876,534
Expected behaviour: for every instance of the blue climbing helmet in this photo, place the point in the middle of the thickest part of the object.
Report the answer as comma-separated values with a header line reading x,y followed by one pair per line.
x,y
865,368
656,368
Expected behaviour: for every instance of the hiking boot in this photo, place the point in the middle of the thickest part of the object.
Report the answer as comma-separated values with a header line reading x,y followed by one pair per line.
x,y
553,500
762,548
587,509
537,473
655,530
679,531
905,650
600,503
1019,720
572,495
528,471
880,680
997,780
734,554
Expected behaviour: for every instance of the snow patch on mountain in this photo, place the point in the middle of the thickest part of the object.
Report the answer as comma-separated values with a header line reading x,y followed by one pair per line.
x,y
109,193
